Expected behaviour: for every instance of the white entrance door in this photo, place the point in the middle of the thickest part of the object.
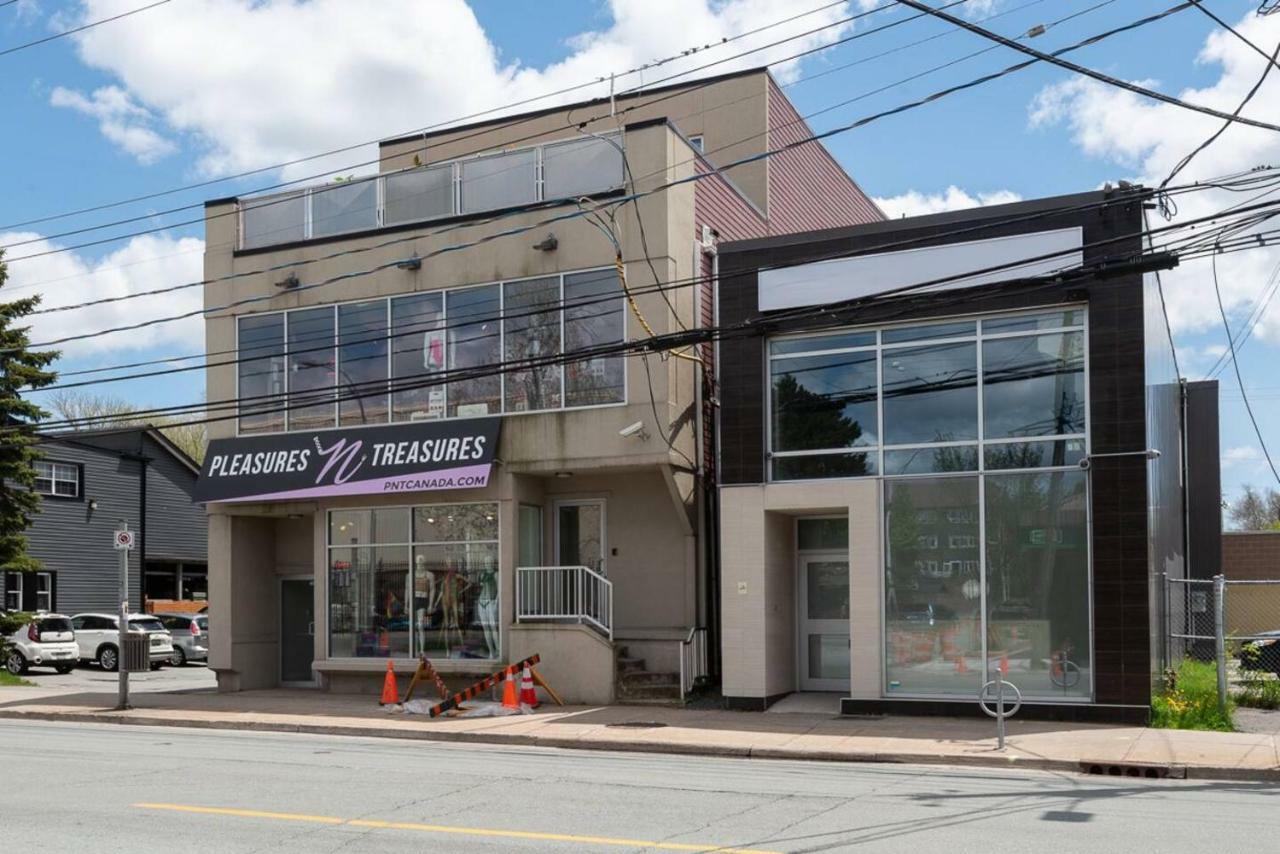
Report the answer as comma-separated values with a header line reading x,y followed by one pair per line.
x,y
824,622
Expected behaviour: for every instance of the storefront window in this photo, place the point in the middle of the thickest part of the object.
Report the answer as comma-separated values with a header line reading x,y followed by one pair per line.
x,y
1033,385
407,581
933,587
931,394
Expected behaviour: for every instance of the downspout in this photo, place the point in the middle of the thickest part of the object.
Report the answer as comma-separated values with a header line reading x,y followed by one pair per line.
x,y
713,494
143,459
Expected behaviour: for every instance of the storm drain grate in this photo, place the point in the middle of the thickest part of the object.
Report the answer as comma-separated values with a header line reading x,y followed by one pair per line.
x,y
1140,770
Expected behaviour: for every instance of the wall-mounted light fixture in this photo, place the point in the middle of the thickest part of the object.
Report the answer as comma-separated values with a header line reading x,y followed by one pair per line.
x,y
547,244
289,282
564,474
412,264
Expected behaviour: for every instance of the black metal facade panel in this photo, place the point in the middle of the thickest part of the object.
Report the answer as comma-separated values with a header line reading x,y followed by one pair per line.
x,y
73,539
1204,481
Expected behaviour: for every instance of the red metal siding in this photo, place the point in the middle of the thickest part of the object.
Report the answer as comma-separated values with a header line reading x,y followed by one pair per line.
x,y
801,175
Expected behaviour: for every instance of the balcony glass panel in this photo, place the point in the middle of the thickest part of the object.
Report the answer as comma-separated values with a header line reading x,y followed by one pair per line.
x,y
500,181
581,167
347,206
269,220
417,195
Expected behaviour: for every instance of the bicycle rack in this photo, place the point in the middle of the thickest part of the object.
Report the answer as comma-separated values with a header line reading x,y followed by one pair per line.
x,y
999,712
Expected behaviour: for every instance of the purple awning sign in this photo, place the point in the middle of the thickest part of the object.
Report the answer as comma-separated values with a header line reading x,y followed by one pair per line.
x,y
419,456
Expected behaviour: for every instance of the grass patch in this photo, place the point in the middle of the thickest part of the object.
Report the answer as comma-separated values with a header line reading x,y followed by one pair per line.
x,y
1259,694
1190,700
8,680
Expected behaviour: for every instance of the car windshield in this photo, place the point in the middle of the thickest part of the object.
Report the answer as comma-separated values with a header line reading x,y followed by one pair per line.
x,y
55,624
151,625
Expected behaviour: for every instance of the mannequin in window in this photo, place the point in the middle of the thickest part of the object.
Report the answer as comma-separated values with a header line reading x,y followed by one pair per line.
x,y
487,608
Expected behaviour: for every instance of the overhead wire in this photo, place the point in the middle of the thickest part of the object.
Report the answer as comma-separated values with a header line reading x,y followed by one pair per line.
x,y
79,29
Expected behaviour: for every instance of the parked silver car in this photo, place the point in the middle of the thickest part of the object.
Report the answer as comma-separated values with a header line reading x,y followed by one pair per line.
x,y
190,637
98,638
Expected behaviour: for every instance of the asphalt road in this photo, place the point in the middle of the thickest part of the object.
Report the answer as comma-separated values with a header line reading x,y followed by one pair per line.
x,y
107,788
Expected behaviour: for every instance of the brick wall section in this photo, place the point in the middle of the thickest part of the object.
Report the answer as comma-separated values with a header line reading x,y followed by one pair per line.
x,y
1251,555
808,189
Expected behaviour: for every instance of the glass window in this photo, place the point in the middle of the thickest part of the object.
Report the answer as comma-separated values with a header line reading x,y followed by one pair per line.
x,y
930,394
57,479
934,460
593,315
824,402
13,591
933,620
531,547
1033,386
818,343
475,342
195,584
1033,455
814,466
822,535
500,181
449,523
418,195
1033,322
344,206
1038,581
273,219
362,363
368,602
369,527
531,331
581,167
417,351
311,369
262,373
932,330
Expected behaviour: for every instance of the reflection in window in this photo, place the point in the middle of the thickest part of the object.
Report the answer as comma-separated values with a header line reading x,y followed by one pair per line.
x,y
933,620
1033,455
815,466
261,373
936,460
822,402
1033,385
311,369
475,342
417,351
531,331
593,316
369,602
931,394
1038,581
362,363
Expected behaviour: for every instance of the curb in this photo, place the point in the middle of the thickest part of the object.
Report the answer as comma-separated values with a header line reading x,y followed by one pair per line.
x,y
1127,770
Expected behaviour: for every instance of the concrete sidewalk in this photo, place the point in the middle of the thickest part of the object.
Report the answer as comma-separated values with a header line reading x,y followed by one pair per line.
x,y
1089,748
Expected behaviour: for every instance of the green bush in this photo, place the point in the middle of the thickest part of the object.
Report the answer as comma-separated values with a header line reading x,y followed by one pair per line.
x,y
1259,694
1190,700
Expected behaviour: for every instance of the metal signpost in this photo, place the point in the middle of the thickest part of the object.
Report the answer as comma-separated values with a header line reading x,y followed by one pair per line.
x,y
999,712
123,541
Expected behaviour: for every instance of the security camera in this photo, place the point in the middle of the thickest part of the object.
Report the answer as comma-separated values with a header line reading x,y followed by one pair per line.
x,y
636,429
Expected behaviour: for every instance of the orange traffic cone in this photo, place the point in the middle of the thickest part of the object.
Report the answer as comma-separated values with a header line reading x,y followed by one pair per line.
x,y
961,667
528,696
390,694
509,700
1004,664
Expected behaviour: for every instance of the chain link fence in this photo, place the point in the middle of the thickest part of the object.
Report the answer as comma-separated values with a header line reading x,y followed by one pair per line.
x,y
1235,624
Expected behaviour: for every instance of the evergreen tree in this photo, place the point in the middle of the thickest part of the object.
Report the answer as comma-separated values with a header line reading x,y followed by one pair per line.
x,y
20,369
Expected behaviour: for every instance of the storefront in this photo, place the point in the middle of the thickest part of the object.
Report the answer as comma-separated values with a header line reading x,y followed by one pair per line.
x,y
918,492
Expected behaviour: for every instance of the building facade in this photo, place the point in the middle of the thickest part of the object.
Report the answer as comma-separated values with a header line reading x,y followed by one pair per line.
x,y
88,484
439,448
956,448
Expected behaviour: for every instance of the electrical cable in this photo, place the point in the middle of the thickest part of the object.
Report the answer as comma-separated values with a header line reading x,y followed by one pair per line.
x,y
79,29
1235,363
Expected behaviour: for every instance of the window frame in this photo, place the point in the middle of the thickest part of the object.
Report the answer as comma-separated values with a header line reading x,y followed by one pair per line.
x,y
44,578
54,480
11,590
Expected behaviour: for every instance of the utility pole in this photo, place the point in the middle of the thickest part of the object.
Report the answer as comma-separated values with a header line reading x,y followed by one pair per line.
x,y
123,543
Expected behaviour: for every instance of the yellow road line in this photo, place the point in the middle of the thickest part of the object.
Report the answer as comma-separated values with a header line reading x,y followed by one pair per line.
x,y
444,828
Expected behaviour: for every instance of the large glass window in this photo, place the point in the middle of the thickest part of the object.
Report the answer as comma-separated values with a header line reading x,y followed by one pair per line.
x,y
1033,385
404,581
593,316
311,368
532,332
475,343
261,373
931,394
362,363
417,352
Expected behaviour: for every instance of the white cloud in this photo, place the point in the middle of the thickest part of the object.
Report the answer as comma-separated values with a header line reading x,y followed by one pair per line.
x,y
1147,139
254,82
915,203
1241,455
144,263
119,119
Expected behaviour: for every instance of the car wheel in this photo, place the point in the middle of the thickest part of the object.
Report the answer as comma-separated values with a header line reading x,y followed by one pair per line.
x,y
64,669
155,665
177,658
109,658
15,663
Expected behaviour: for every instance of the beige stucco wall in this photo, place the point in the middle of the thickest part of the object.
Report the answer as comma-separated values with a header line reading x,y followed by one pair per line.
x,y
244,603
575,661
758,583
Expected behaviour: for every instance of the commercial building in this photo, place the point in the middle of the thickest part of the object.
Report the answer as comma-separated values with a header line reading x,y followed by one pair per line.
x,y
90,482
387,492
956,449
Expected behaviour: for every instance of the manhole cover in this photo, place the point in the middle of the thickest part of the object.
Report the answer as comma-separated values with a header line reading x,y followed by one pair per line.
x,y
637,724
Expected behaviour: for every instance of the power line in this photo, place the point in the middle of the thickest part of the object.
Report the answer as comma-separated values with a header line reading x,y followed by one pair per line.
x,y
79,29
1239,379
1089,72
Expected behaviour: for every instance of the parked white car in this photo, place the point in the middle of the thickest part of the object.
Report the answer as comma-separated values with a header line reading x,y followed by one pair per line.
x,y
47,641
98,638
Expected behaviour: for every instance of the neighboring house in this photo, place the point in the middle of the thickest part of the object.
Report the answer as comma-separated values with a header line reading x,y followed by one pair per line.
x,y
90,483
363,508
922,488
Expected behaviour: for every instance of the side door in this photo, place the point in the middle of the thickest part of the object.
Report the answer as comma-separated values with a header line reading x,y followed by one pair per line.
x,y
87,636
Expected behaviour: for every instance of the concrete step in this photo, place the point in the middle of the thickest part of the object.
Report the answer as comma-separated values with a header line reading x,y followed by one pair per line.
x,y
648,678
629,665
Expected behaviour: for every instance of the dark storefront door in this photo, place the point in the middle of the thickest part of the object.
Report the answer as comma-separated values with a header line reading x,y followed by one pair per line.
x,y
297,630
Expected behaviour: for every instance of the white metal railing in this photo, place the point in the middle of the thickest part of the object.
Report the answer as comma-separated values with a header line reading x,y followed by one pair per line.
x,y
564,169
564,593
693,659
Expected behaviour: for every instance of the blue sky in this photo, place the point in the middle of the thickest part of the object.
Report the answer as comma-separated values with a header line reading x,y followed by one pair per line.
x,y
152,102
